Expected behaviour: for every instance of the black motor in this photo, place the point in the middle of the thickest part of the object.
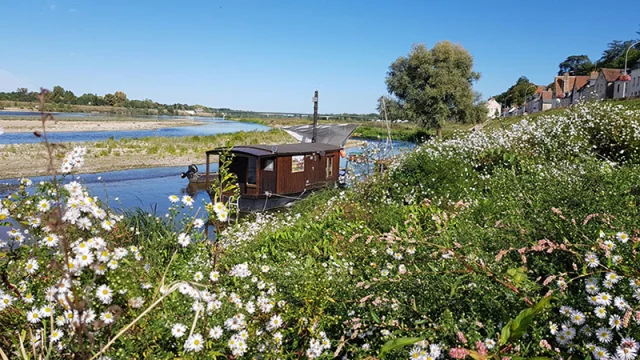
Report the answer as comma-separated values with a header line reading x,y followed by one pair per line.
x,y
191,171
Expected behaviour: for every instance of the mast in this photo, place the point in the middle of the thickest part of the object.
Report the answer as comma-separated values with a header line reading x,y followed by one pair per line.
x,y
386,120
315,117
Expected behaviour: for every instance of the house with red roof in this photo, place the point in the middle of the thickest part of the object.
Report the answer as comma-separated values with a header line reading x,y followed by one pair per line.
x,y
604,86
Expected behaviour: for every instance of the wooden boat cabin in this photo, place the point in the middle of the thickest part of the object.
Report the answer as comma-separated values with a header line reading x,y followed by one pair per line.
x,y
272,176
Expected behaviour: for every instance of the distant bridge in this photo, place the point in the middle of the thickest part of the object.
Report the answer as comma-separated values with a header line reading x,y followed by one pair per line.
x,y
293,115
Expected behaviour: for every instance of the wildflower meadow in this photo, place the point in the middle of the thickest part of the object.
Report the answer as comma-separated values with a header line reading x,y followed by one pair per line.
x,y
514,243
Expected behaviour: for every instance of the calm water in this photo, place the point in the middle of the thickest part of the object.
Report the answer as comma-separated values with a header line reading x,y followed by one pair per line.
x,y
210,126
147,189
23,114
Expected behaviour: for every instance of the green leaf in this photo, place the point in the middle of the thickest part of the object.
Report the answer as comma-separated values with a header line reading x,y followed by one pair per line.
x,y
541,304
506,333
374,316
474,355
309,262
548,358
455,285
396,344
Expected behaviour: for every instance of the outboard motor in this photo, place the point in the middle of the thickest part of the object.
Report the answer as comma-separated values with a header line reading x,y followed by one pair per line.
x,y
191,171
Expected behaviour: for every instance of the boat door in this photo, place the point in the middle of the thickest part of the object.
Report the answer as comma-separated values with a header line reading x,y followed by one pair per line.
x,y
315,170
268,178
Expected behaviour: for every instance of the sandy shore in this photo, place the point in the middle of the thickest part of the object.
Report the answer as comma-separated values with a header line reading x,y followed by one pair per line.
x,y
17,126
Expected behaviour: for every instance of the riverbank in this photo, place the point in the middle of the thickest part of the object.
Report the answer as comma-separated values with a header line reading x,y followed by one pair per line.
x,y
26,160
371,130
84,124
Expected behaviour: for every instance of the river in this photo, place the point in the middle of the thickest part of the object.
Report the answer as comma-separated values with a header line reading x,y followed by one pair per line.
x,y
209,126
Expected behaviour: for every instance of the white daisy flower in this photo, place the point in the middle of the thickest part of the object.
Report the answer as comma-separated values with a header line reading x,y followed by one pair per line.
x,y
178,330
613,277
50,240
600,312
615,322
215,333
622,237
56,335
46,311
107,317
104,294
194,343
274,323
603,299
219,207
184,239
32,266
33,316
44,205
604,335
577,317
223,216
187,200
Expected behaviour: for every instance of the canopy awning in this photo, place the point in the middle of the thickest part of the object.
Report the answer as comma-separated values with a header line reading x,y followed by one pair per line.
x,y
334,134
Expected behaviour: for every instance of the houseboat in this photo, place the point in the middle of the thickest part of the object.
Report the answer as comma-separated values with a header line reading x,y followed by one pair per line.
x,y
272,176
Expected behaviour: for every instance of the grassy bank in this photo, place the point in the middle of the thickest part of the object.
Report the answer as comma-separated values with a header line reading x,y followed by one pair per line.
x,y
459,240
30,159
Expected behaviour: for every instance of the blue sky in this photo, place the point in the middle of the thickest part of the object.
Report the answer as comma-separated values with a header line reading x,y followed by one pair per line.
x,y
270,55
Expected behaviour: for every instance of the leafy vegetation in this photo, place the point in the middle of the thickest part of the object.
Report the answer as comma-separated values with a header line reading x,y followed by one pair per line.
x,y
433,86
516,242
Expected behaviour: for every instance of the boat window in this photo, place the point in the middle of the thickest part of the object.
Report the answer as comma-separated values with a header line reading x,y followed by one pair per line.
x,y
268,165
297,164
251,171
329,166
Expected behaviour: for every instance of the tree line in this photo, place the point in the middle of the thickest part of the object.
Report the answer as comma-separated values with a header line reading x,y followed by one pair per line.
x,y
60,96
613,57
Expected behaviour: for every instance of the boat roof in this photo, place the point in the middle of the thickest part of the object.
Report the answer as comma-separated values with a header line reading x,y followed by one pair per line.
x,y
281,149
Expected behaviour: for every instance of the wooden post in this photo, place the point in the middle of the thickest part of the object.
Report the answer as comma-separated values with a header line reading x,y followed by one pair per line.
x,y
315,117
207,175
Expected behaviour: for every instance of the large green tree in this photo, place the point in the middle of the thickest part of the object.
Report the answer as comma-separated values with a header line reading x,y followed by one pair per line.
x,y
614,56
434,86
576,65
517,93
120,98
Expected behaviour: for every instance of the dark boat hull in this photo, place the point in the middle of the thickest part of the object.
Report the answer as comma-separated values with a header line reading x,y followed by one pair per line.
x,y
264,203
201,178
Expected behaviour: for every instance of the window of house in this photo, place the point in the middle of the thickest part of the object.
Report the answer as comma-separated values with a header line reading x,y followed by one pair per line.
x,y
329,169
618,88
251,171
268,165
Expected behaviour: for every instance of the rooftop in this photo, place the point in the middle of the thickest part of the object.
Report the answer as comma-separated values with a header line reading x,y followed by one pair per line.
x,y
281,149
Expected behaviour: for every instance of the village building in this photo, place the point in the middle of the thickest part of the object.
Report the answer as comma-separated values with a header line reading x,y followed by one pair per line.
x,y
628,88
564,87
494,108
587,91
633,86
604,86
